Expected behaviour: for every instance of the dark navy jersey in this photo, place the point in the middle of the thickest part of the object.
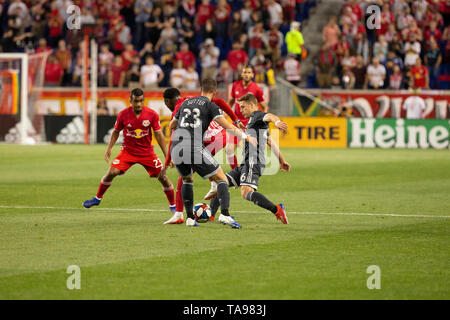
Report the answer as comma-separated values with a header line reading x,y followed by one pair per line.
x,y
194,117
259,129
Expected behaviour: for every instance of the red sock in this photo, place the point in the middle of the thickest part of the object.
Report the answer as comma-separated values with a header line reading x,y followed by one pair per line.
x,y
102,188
170,194
232,160
179,206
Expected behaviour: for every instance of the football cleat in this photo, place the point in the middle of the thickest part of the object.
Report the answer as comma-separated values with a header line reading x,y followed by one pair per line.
x,y
212,193
177,218
191,223
93,202
229,221
281,214
211,219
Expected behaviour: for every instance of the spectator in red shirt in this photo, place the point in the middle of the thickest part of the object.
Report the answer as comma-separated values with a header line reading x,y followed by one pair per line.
x,y
43,46
55,23
205,11
53,72
356,9
340,48
419,75
386,19
256,38
116,73
444,8
274,40
64,57
185,55
237,56
128,55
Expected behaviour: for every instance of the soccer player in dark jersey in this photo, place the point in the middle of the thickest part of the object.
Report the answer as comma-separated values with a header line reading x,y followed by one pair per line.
x,y
239,89
247,175
214,140
137,123
190,155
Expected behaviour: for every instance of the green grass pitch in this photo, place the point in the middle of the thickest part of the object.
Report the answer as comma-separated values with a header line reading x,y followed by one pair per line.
x,y
348,210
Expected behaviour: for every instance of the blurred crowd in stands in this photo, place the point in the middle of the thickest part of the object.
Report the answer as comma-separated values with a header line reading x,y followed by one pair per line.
x,y
406,45
159,43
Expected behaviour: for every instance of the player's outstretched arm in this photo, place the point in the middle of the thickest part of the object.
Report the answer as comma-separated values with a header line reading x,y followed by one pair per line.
x,y
270,117
235,131
229,111
112,142
284,166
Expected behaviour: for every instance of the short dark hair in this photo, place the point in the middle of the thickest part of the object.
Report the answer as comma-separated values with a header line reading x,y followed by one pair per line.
x,y
136,92
209,85
248,66
249,97
171,93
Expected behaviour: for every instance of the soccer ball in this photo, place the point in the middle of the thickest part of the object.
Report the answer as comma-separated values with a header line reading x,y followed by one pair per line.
x,y
202,212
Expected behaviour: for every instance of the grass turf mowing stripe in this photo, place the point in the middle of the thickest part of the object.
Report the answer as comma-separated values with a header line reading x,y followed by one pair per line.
x,y
290,212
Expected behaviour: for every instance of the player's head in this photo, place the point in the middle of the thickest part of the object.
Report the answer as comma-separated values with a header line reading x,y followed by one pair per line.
x,y
171,97
209,87
248,104
137,100
247,73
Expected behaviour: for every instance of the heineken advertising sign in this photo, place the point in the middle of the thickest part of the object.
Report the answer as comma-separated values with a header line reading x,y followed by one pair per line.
x,y
398,133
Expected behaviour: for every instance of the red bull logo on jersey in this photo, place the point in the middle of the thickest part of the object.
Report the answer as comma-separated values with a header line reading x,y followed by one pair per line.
x,y
138,133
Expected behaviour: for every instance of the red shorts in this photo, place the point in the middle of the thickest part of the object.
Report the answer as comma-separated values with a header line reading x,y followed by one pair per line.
x,y
151,163
216,142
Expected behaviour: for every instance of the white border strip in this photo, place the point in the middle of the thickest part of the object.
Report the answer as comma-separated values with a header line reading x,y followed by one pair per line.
x,y
289,212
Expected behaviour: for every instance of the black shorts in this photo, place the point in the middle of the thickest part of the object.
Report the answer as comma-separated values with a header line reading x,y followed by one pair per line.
x,y
245,175
195,160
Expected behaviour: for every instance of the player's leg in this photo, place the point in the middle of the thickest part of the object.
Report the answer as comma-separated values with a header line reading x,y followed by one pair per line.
x,y
154,169
119,166
168,191
249,184
232,143
187,192
233,178
177,217
217,143
223,197
209,168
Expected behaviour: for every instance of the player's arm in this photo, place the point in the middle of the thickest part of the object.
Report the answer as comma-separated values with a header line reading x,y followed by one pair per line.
x,y
225,107
231,101
284,166
235,131
173,124
161,141
112,142
270,117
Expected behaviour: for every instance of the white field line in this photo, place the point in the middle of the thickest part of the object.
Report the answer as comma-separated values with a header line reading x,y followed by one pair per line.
x,y
289,212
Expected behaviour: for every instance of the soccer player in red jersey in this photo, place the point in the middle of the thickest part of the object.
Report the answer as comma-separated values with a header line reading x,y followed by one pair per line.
x,y
137,123
215,139
239,89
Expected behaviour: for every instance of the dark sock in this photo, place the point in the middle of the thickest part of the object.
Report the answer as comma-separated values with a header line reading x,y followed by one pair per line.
x,y
223,194
260,200
214,205
187,192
